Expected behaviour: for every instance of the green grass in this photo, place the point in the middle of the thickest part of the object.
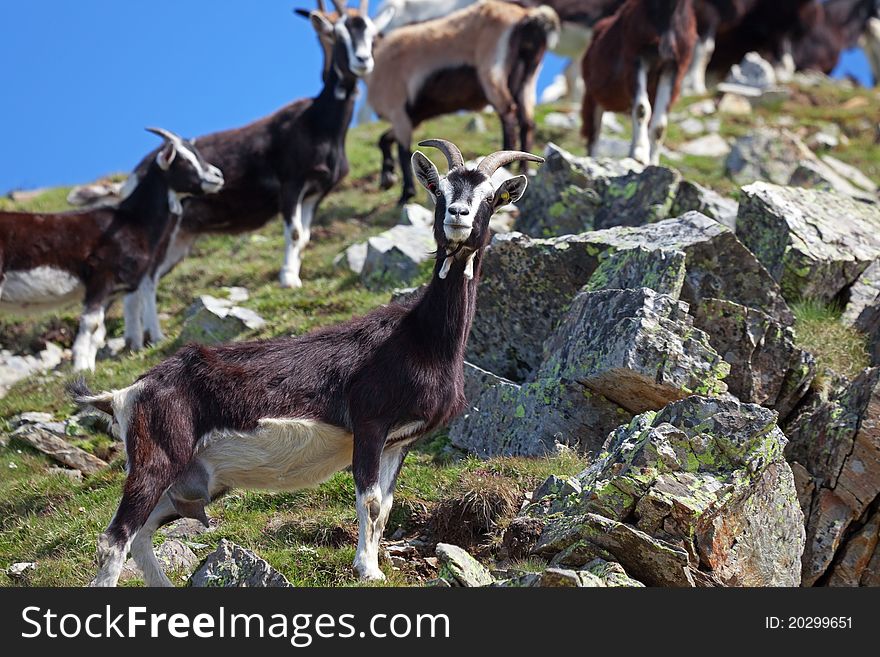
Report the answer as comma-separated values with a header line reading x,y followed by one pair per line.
x,y
835,346
307,535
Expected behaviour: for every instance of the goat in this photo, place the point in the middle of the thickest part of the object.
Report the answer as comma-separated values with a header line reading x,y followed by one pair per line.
x,y
636,62
286,162
770,27
490,52
713,17
832,27
287,413
48,260
408,12
577,19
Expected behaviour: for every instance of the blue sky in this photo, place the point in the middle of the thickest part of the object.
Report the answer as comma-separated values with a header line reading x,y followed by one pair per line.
x,y
81,79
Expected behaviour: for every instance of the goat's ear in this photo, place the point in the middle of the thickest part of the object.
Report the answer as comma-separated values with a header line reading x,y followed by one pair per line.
x,y
510,191
384,18
166,155
302,12
426,173
322,26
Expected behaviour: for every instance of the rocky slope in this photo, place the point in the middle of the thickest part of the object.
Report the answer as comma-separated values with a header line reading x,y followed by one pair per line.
x,y
638,330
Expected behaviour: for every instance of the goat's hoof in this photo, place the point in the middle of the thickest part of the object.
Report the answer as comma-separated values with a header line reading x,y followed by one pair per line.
x,y
404,199
371,574
290,280
387,180
642,157
133,345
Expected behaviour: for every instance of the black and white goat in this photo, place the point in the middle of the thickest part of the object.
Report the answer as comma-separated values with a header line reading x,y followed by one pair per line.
x,y
48,260
284,163
287,413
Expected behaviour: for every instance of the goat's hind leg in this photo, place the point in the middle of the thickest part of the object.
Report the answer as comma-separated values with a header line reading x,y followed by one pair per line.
x,y
640,150
142,544
660,113
388,177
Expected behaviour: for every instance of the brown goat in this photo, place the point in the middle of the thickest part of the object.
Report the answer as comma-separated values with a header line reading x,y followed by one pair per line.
x,y
636,62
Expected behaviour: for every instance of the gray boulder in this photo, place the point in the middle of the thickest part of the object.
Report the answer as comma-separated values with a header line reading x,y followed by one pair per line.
x,y
17,367
573,194
868,322
814,243
862,293
834,439
662,271
695,494
765,366
752,71
694,197
766,154
210,320
395,257
637,348
527,284
232,566
535,418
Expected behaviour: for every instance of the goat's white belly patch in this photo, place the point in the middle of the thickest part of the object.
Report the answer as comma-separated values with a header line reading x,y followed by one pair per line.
x,y
39,289
282,454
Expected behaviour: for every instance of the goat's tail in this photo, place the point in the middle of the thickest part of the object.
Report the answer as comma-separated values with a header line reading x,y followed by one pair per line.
x,y
82,396
547,20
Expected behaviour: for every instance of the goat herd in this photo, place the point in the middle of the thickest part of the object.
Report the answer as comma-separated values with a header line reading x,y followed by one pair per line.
x,y
288,413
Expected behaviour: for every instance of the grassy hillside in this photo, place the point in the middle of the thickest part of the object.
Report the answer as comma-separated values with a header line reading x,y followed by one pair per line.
x,y
309,535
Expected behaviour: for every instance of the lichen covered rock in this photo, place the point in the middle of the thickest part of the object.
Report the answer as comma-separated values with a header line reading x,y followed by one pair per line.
x,y
768,154
657,269
535,418
232,566
459,568
692,197
637,348
765,365
814,243
695,494
836,439
528,284
576,194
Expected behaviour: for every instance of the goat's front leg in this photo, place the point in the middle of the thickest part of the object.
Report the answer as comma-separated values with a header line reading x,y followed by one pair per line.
x,y
132,310
640,150
293,228
152,326
90,337
695,78
388,177
660,113
366,467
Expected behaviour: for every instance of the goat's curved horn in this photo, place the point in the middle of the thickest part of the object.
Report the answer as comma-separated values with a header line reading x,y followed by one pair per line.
x,y
340,7
365,7
322,7
491,163
450,150
165,134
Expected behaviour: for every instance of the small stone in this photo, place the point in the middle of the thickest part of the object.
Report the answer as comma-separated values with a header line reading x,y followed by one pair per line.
x,y
232,566
210,320
21,570
459,567
735,105
56,447
707,146
74,475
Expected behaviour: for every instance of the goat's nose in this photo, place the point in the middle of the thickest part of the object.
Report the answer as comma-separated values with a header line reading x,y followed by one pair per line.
x,y
459,210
